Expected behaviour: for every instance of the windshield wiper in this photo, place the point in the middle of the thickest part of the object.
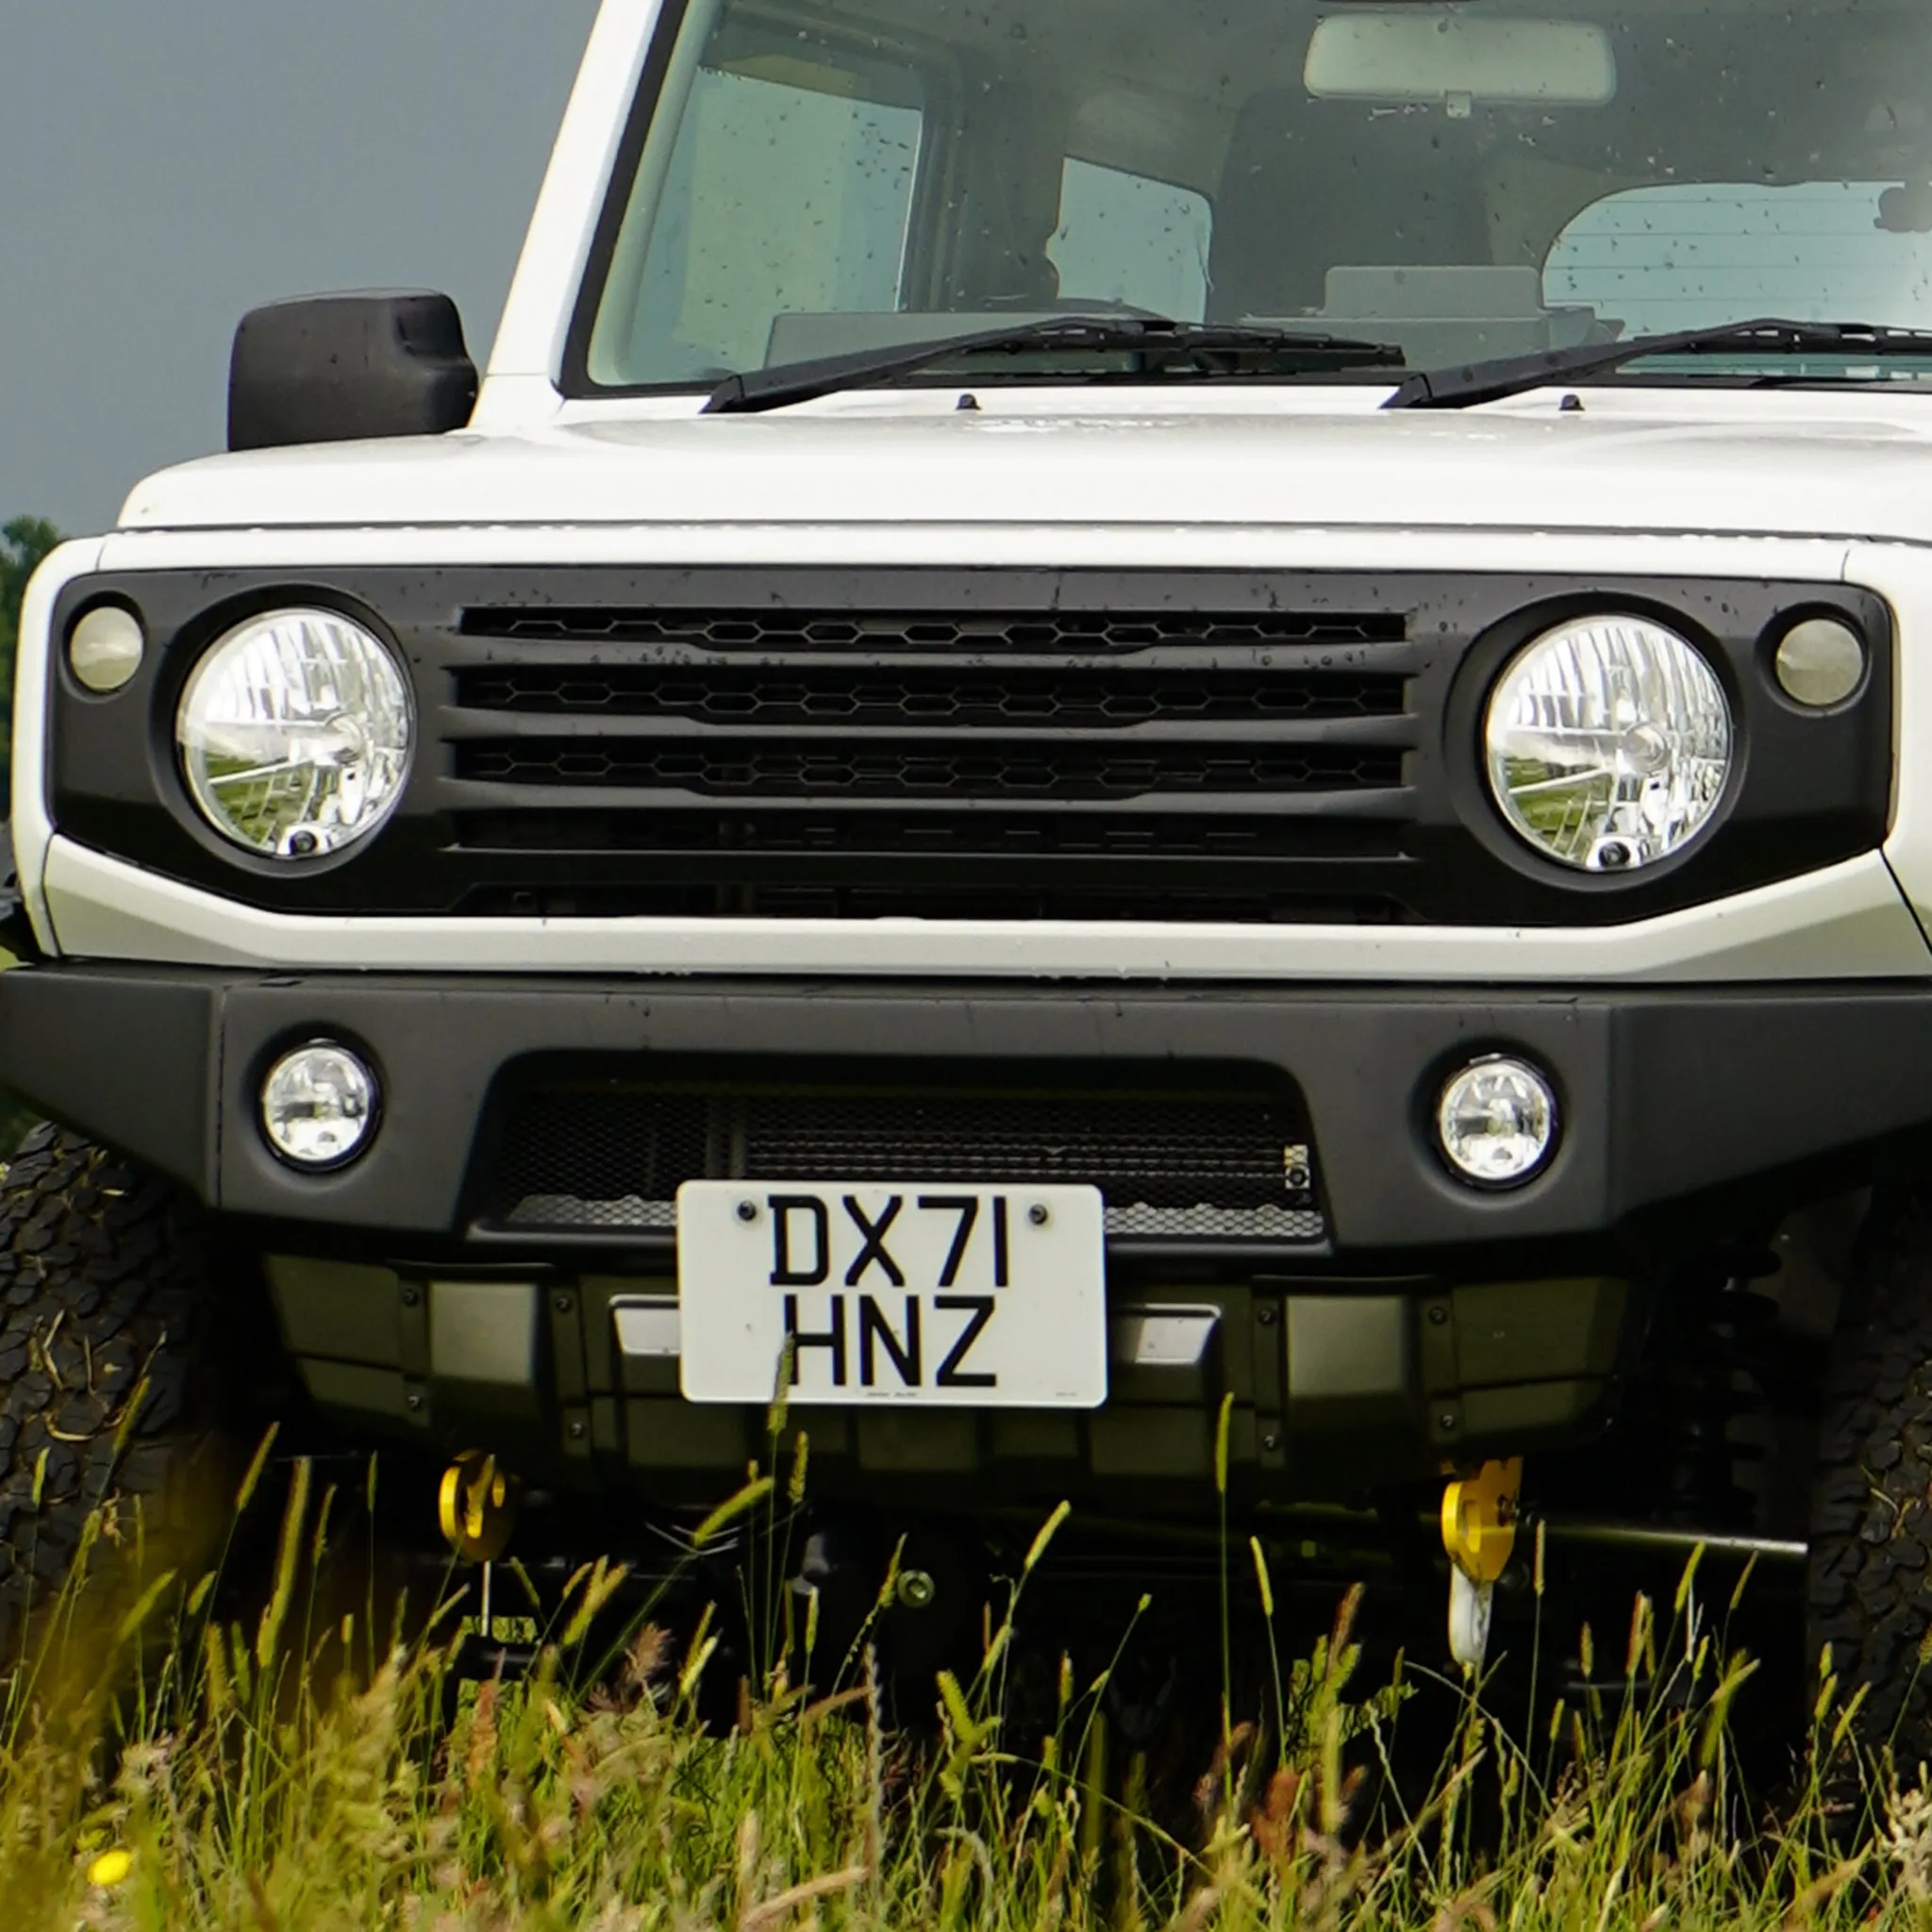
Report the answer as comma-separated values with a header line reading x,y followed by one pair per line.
x,y
1490,381
1162,347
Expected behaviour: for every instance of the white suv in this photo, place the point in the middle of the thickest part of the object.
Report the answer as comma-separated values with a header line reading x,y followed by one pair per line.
x,y
1124,731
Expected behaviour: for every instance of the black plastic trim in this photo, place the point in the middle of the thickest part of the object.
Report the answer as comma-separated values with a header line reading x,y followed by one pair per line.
x,y
336,368
1812,788
16,929
1694,1114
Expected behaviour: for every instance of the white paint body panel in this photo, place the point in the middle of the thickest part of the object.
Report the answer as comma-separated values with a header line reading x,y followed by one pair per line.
x,y
31,825
1850,922
1847,922
1684,481
529,338
1794,466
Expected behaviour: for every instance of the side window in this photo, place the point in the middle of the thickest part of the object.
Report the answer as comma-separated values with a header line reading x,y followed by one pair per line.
x,y
1123,238
780,198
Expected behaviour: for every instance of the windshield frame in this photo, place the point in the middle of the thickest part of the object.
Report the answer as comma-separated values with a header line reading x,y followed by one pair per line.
x,y
576,381
616,198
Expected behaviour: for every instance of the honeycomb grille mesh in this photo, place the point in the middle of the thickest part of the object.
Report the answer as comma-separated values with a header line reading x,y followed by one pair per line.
x,y
862,697
994,768
1054,631
1243,766
1190,1165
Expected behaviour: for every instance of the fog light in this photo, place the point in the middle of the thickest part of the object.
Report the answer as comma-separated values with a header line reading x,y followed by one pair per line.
x,y
1820,662
1497,1121
318,1106
105,648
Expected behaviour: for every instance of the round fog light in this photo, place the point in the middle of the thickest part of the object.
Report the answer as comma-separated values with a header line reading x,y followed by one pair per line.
x,y
1820,662
1497,1121
318,1106
105,648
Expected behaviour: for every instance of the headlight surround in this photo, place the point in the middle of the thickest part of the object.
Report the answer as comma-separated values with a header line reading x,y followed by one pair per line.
x,y
1607,742
294,733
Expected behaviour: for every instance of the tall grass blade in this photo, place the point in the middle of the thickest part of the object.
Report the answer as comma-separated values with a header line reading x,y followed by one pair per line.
x,y
728,1512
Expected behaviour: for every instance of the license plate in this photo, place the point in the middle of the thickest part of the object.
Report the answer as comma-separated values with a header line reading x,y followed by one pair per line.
x,y
953,1296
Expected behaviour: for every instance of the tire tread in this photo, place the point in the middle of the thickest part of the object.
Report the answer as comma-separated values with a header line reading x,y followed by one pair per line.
x,y
1871,1506
103,1279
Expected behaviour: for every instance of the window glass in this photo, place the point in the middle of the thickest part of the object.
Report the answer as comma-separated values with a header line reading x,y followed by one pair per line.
x,y
1122,238
779,198
820,176
1689,255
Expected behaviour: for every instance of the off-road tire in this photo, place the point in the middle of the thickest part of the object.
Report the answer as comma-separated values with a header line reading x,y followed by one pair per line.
x,y
1869,1586
106,1387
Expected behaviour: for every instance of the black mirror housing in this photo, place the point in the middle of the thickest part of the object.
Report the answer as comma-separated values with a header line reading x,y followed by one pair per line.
x,y
334,367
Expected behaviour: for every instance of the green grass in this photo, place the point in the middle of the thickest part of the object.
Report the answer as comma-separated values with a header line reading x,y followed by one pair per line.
x,y
294,1768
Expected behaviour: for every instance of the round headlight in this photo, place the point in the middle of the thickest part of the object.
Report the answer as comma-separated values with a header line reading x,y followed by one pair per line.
x,y
294,733
1608,742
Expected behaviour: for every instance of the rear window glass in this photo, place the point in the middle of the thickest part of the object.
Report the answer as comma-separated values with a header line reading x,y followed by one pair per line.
x,y
1692,256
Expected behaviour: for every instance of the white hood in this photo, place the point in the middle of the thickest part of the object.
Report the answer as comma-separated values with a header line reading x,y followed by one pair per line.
x,y
1799,464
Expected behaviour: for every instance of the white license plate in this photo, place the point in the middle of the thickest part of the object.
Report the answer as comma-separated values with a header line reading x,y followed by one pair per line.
x,y
915,1293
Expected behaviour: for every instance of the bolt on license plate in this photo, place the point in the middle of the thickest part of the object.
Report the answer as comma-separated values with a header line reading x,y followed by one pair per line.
x,y
916,1292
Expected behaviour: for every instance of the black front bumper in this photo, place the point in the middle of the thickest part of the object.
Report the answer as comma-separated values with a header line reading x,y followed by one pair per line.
x,y
1688,1114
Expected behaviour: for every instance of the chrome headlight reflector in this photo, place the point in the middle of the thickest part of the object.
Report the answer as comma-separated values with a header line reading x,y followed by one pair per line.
x,y
294,733
319,1106
1608,743
1497,1121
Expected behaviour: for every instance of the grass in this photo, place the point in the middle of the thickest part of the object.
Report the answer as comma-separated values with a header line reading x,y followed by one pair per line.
x,y
175,1763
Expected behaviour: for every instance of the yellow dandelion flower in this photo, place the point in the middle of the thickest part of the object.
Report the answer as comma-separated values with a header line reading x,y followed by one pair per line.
x,y
110,1868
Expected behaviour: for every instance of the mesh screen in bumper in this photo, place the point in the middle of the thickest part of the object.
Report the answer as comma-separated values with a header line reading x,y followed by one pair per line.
x,y
1169,1165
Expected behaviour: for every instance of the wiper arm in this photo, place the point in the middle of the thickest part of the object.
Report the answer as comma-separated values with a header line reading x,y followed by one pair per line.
x,y
1211,348
1508,376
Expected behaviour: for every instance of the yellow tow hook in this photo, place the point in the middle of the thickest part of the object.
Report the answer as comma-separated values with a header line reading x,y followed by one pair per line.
x,y
1480,1533
477,1511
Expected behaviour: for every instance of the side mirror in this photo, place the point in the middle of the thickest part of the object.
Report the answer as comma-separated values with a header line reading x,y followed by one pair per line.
x,y
330,368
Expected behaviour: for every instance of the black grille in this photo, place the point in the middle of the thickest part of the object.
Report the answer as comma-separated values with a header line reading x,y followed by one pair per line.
x,y
1006,836
993,744
1144,763
985,769
603,1155
872,631
821,862
859,698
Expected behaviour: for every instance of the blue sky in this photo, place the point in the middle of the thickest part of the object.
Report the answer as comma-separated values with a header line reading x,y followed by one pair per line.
x,y
168,163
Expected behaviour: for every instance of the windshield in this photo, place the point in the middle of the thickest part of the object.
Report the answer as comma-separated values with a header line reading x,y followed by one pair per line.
x,y
831,176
